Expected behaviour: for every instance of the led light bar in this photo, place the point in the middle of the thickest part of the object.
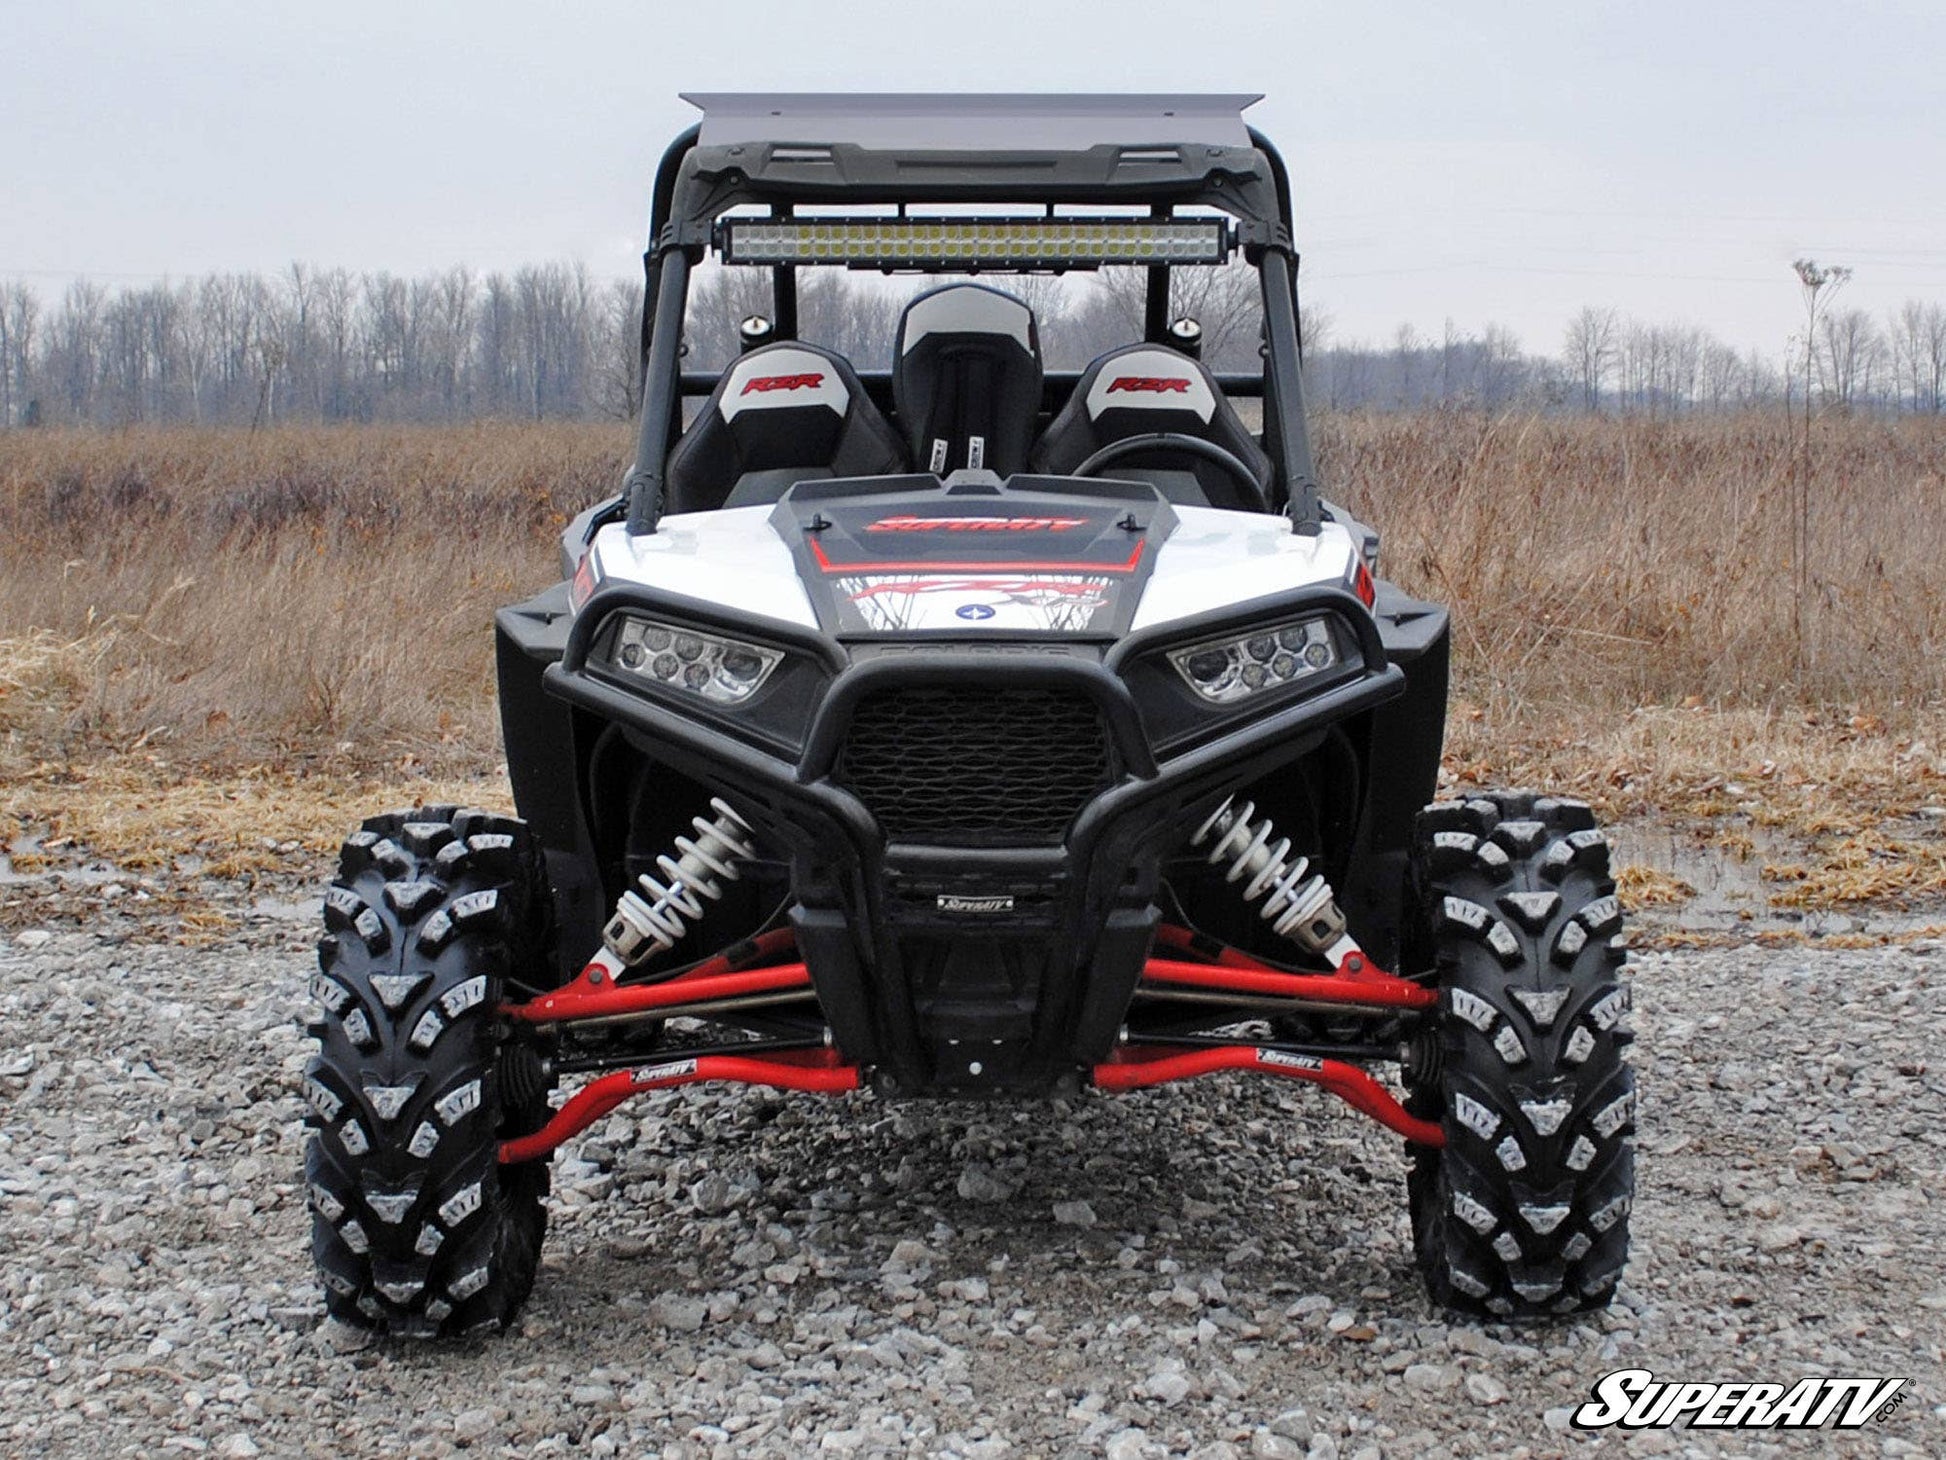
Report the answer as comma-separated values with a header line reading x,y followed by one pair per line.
x,y
985,243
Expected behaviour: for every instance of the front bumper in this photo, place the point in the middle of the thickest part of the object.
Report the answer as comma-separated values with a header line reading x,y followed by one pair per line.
x,y
973,969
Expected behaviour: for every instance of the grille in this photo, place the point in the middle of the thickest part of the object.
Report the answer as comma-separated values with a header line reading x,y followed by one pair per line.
x,y
975,765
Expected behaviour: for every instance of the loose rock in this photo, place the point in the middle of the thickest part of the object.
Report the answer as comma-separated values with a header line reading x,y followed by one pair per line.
x,y
845,1278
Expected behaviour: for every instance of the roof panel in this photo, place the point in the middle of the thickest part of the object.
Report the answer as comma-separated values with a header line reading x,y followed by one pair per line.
x,y
972,121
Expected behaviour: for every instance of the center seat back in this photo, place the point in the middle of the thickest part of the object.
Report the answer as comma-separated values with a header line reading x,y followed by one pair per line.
x,y
966,380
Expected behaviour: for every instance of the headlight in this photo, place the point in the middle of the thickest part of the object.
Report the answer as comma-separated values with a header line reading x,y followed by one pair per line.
x,y
1224,671
722,671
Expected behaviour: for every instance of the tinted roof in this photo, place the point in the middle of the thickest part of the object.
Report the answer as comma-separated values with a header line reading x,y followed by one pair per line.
x,y
972,121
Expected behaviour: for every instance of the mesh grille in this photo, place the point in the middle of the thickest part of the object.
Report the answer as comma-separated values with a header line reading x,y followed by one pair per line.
x,y
975,765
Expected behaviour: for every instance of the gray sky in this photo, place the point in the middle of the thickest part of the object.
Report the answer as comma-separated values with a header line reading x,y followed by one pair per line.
x,y
1487,162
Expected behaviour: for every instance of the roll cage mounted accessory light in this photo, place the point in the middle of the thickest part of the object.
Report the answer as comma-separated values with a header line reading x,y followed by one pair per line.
x,y
905,242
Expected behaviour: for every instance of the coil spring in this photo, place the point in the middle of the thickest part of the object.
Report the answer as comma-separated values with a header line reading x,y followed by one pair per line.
x,y
1298,904
652,923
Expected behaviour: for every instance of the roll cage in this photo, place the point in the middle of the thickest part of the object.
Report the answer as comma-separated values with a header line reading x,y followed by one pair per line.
x,y
780,152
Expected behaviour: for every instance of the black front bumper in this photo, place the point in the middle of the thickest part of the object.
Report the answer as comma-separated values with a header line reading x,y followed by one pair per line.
x,y
972,969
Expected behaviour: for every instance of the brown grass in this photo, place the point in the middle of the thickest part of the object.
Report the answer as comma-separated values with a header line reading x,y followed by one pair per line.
x,y
144,815
1624,626
1844,792
294,594
207,633
1652,887
1670,939
1634,562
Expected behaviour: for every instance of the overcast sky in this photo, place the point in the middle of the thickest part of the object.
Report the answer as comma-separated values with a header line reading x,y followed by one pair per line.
x,y
1484,162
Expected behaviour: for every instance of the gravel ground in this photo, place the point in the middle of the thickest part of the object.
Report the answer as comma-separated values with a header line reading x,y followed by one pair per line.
x,y
1219,1269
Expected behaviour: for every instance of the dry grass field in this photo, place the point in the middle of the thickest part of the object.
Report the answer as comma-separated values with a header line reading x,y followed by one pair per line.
x,y
239,642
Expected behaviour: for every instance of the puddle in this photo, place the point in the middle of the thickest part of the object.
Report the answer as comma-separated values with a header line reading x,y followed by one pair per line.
x,y
96,874
1731,895
308,911
29,843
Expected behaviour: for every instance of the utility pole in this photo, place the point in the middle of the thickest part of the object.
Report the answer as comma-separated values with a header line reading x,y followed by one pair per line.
x,y
1817,282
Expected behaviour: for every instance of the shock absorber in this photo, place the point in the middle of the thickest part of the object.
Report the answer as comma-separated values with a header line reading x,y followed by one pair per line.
x,y
1298,903
652,919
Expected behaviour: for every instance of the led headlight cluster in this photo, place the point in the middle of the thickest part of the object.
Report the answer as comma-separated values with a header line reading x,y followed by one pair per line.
x,y
1224,671
722,671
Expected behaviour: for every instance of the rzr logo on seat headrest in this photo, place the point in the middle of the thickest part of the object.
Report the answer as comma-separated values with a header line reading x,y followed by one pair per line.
x,y
1150,384
783,382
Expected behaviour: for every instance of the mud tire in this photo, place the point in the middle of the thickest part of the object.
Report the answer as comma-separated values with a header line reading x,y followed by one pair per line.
x,y
1525,1210
417,1229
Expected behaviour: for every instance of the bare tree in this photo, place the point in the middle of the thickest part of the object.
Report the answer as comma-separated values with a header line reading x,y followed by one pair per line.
x,y
76,345
1590,351
858,322
1645,369
1449,346
1719,371
338,341
1904,352
1935,357
719,297
19,315
1502,372
1916,346
392,333
1686,344
1405,357
619,372
1760,380
1227,301
1850,346
142,350
451,345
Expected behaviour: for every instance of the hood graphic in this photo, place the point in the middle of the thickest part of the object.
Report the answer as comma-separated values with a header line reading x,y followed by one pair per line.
x,y
1001,564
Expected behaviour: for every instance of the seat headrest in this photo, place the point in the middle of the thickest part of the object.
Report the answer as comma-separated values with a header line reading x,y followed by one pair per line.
x,y
1142,388
781,409
1149,378
967,309
784,376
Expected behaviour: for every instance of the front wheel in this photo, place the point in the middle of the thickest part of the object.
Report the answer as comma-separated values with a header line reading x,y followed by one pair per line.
x,y
416,1226
1524,1211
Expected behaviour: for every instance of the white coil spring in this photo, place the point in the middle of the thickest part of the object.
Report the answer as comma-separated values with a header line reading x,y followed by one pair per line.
x,y
646,925
1294,898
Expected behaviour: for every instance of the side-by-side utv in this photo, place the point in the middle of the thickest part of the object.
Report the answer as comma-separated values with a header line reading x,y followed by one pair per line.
x,y
943,725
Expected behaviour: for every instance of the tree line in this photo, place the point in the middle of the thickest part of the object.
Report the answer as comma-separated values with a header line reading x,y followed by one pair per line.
x,y
1612,362
551,341
320,345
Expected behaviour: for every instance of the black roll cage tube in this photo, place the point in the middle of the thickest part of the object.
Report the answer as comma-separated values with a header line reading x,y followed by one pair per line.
x,y
666,267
